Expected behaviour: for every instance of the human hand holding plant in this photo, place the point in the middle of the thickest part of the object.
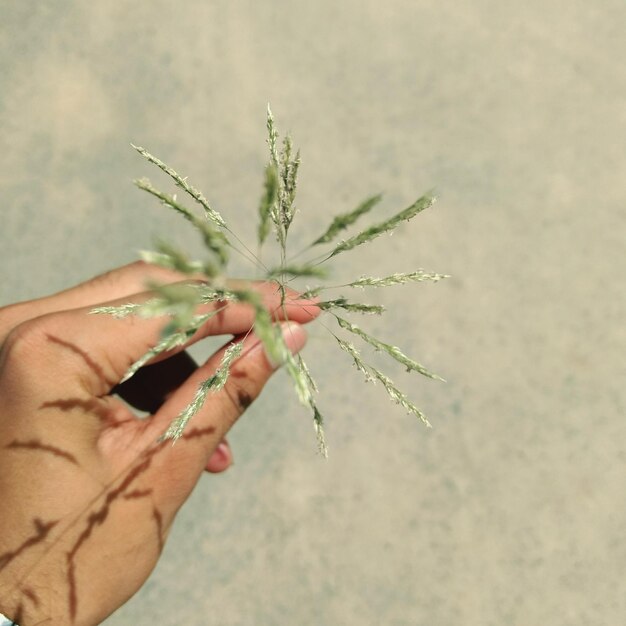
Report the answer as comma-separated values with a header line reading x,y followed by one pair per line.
x,y
86,518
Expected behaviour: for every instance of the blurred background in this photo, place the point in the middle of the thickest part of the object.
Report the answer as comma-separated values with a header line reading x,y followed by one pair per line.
x,y
510,510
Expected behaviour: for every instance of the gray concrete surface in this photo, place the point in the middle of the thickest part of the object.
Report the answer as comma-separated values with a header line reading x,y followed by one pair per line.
x,y
511,509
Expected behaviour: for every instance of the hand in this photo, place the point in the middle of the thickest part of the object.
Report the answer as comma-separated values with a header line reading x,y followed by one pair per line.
x,y
87,494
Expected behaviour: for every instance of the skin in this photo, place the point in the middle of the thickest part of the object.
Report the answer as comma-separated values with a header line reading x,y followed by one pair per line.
x,y
88,494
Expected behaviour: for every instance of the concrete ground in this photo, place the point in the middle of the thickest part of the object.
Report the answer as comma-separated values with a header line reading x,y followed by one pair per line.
x,y
511,509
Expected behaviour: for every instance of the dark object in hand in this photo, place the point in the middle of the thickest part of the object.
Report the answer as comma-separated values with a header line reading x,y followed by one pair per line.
x,y
149,387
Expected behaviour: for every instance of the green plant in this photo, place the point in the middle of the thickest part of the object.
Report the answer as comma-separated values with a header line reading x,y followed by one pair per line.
x,y
277,209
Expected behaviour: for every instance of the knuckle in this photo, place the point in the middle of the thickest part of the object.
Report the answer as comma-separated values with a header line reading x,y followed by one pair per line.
x,y
13,315
133,274
21,345
25,342
110,280
141,271
9,316
105,279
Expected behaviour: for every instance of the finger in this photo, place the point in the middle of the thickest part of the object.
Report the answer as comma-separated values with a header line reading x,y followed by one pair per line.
x,y
185,459
94,351
122,281
221,459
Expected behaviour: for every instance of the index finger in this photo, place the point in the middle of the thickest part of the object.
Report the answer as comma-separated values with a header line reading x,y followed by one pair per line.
x,y
95,351
117,283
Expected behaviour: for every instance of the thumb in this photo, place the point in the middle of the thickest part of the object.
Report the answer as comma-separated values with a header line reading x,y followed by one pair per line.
x,y
248,375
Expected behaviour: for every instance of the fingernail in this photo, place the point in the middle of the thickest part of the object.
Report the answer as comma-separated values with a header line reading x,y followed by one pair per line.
x,y
221,458
224,450
294,335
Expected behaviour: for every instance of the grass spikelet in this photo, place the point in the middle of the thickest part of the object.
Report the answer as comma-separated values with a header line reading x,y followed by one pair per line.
x,y
212,384
313,292
299,378
288,177
393,351
372,375
376,230
118,312
305,370
352,307
318,420
268,201
397,279
272,137
167,343
172,259
314,271
341,222
174,300
275,347
170,341
318,423
397,396
198,196
356,358
168,200
267,331
215,240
